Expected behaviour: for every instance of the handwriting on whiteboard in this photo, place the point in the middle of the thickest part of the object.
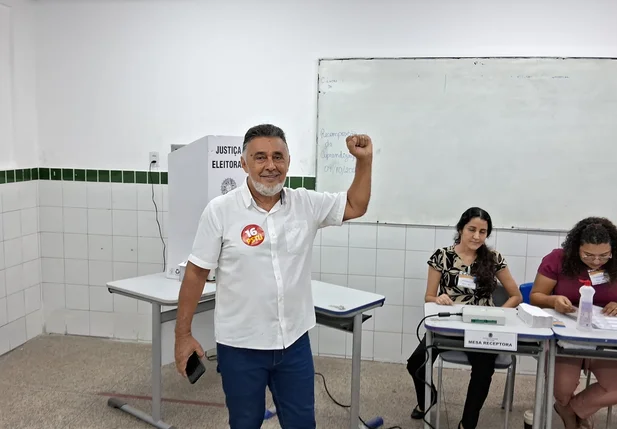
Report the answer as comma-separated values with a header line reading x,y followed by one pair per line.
x,y
334,153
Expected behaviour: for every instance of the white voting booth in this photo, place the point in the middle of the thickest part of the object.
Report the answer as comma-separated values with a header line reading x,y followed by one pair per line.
x,y
198,172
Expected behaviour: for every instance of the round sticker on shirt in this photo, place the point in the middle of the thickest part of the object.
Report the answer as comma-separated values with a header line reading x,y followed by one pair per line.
x,y
253,235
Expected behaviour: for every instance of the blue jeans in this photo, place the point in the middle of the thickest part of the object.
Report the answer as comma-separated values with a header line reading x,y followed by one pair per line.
x,y
289,374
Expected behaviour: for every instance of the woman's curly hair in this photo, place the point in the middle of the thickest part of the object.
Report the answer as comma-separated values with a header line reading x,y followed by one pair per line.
x,y
484,268
592,230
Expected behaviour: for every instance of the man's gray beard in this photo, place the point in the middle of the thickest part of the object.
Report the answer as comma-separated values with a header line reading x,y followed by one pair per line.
x,y
267,191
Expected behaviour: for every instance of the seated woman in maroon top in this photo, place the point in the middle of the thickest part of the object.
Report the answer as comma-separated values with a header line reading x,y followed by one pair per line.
x,y
587,254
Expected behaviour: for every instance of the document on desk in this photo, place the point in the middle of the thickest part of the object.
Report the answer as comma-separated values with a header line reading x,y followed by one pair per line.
x,y
491,340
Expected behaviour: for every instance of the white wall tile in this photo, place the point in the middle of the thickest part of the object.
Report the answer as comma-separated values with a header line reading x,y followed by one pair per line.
x,y
390,263
389,318
124,304
125,249
335,279
15,306
444,236
2,284
411,318
144,269
28,195
32,298
101,300
531,269
416,264
144,197
387,347
52,245
10,197
366,348
124,270
1,197
410,343
144,307
333,259
123,196
76,246
77,297
30,247
331,342
54,296
75,194
2,263
31,273
14,279
362,261
317,240
99,222
516,264
4,315
512,243
76,271
146,224
362,235
126,326
13,252
54,320
149,250
365,283
77,322
51,219
391,237
30,221
11,225
52,270
1,228
4,340
392,288
50,193
75,220
100,247
17,333
99,195
101,324
100,272
541,244
124,223
316,259
34,324
335,235
415,289
420,238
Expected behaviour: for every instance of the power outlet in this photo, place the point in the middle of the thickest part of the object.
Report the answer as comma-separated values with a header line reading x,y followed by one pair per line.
x,y
154,159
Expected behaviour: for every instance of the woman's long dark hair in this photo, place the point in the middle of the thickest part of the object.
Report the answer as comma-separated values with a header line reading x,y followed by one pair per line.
x,y
484,266
592,230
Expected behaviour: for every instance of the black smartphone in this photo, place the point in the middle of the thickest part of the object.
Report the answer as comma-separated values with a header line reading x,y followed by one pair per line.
x,y
194,368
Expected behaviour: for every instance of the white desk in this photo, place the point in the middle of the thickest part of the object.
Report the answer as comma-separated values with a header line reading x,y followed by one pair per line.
x,y
604,341
335,306
451,331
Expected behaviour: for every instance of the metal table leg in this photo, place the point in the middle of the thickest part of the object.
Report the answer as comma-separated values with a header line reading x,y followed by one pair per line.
x,y
354,420
540,384
155,418
550,382
428,377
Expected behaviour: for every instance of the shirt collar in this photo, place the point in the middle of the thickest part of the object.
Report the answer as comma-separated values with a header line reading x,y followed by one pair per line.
x,y
247,197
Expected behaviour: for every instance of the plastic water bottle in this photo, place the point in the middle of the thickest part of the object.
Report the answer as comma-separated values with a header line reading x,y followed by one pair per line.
x,y
584,321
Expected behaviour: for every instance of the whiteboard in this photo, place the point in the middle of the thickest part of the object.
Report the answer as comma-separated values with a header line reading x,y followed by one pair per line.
x,y
531,140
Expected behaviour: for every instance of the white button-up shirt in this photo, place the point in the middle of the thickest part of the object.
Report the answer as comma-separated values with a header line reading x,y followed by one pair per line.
x,y
263,263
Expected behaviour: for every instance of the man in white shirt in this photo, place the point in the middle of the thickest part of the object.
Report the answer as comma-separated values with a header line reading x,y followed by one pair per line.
x,y
259,238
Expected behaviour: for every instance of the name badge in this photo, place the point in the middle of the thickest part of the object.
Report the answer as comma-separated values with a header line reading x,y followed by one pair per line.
x,y
466,281
598,277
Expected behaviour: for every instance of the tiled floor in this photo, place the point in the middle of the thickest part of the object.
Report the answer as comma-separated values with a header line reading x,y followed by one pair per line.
x,y
65,381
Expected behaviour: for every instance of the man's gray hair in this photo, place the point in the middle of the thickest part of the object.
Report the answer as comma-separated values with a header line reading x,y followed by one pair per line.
x,y
263,130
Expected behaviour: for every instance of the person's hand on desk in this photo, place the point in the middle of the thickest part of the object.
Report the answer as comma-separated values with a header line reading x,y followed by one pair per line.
x,y
443,299
184,348
610,309
563,305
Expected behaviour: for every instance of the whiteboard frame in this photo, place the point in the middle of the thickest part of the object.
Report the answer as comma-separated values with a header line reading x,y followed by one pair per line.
x,y
512,57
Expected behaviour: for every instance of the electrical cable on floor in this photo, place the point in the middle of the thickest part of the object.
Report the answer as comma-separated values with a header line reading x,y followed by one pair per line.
x,y
423,366
156,214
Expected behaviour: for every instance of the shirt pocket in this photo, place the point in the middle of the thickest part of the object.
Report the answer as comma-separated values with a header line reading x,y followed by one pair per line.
x,y
296,233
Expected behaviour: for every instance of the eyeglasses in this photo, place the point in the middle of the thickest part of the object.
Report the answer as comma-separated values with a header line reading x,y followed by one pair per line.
x,y
599,258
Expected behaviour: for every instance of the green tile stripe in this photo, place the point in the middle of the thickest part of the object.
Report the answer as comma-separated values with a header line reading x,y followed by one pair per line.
x,y
113,176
